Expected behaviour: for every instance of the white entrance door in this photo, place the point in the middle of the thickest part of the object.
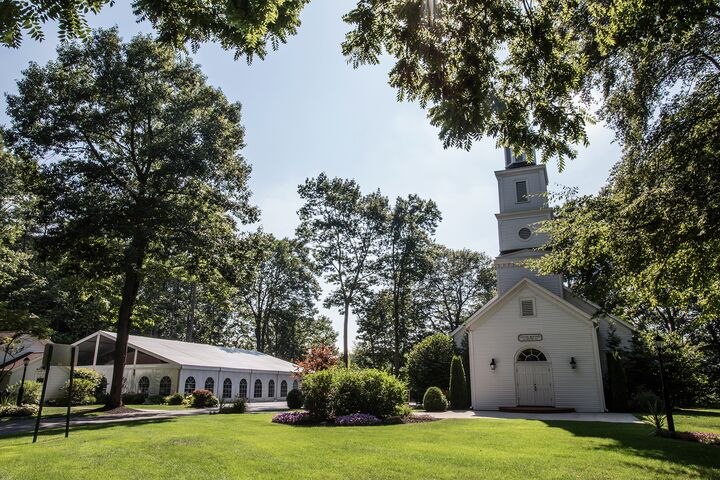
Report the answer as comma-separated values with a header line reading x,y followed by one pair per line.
x,y
534,384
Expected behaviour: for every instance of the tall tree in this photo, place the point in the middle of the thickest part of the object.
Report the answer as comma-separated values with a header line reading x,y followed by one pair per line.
x,y
530,73
280,286
140,158
342,228
459,283
245,27
406,259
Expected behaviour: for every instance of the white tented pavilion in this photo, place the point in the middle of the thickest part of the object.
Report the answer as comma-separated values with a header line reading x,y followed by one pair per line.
x,y
160,367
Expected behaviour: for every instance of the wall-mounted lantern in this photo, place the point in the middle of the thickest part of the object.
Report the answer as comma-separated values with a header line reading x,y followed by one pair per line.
x,y
573,363
492,364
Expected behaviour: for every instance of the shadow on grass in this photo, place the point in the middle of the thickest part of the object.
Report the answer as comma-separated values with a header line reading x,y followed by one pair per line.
x,y
677,456
57,433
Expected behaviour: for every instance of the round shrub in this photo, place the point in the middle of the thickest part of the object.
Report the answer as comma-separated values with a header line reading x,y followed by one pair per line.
x,y
434,400
203,399
338,392
174,399
428,364
295,399
368,391
82,392
31,392
133,398
317,391
13,410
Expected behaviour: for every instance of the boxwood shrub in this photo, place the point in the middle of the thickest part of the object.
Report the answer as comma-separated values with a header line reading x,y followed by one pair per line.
x,y
338,392
174,399
434,400
295,399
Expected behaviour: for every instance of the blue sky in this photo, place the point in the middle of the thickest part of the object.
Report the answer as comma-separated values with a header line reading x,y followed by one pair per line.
x,y
306,111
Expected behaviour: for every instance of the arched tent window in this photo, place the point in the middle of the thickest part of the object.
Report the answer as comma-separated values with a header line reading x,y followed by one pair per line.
x,y
144,385
257,391
271,388
165,386
295,384
242,392
189,385
227,388
210,384
531,355
283,388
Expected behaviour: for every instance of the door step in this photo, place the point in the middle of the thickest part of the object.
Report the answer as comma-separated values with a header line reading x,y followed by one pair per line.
x,y
536,409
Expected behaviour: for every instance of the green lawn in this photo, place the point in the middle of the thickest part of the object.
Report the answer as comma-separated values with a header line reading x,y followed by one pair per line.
x,y
48,412
697,420
249,446
158,407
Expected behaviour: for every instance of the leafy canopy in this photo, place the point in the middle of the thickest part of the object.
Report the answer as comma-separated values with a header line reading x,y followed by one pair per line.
x,y
246,27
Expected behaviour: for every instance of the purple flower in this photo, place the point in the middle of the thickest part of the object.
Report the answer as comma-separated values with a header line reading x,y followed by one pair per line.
x,y
292,418
357,419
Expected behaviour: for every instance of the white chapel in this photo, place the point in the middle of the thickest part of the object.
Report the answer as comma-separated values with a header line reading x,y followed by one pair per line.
x,y
535,344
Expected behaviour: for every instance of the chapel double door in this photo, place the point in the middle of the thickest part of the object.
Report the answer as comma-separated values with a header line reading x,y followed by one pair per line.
x,y
534,384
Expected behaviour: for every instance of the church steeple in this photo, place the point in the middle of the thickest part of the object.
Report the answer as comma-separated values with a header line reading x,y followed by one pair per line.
x,y
522,189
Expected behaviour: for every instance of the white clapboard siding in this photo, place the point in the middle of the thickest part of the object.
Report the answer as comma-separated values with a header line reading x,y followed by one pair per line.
x,y
566,334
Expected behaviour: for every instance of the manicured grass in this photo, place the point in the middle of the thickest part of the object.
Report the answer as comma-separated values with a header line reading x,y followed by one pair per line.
x,y
249,446
158,407
48,412
698,420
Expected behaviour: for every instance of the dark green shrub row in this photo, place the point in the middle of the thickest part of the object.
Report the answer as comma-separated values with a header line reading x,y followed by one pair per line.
x,y
340,391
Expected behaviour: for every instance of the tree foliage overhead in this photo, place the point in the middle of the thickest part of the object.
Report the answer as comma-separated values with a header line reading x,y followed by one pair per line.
x,y
139,160
527,72
246,27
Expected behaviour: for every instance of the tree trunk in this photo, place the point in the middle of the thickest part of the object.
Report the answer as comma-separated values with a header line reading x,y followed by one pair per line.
x,y
134,257
190,319
258,333
346,358
396,332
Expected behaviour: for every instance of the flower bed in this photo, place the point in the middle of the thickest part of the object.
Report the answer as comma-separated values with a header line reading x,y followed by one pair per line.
x,y
700,437
357,420
293,418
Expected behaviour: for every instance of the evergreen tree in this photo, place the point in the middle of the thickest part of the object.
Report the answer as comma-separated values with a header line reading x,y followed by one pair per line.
x,y
458,395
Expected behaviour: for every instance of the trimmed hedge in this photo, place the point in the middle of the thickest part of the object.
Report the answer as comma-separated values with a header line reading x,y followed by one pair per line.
x,y
174,399
295,399
31,392
434,400
458,387
339,391
203,398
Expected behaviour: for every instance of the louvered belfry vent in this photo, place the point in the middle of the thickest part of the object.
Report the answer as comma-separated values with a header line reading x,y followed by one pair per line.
x,y
527,308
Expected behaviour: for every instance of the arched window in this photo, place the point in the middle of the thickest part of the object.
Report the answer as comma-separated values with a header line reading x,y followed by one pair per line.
x,y
165,386
257,392
531,355
295,385
210,384
144,385
189,385
227,388
283,388
242,392
271,388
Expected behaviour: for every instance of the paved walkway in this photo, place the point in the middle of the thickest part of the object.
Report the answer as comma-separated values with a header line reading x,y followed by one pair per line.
x,y
11,427
579,417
